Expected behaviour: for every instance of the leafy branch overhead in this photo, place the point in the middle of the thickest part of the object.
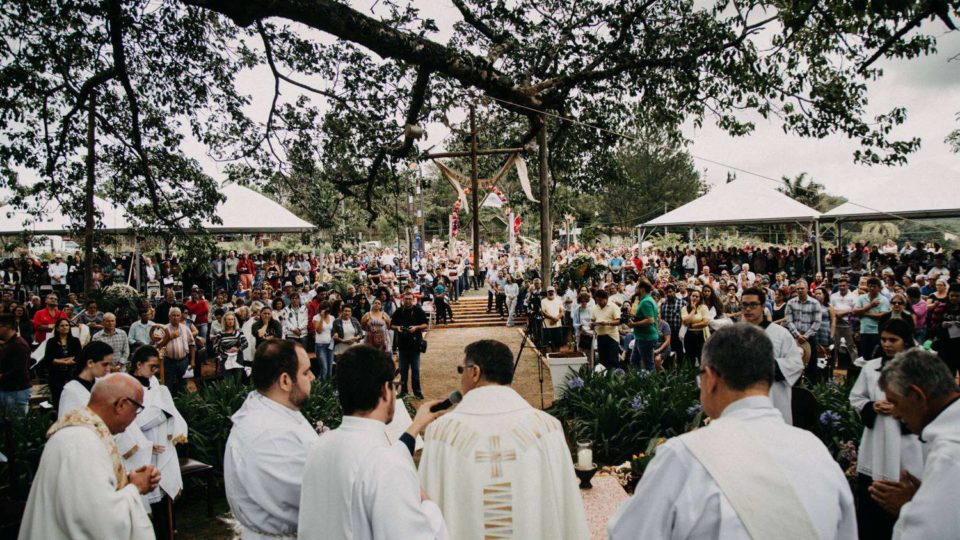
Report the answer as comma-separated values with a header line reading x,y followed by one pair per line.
x,y
346,79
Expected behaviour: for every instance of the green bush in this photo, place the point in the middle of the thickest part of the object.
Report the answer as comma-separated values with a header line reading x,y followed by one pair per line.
x,y
29,435
579,271
208,411
625,413
622,412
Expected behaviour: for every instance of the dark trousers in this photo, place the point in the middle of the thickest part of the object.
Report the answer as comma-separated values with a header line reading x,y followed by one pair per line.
x,y
173,371
642,356
692,347
162,518
676,344
501,304
868,345
608,352
812,372
489,301
410,362
873,522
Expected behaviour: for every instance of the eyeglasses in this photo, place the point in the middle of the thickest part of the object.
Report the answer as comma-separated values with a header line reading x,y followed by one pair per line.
x,y
751,304
137,404
461,369
896,303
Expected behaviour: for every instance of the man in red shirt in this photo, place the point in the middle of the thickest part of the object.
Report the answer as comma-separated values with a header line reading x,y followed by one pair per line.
x,y
199,308
45,320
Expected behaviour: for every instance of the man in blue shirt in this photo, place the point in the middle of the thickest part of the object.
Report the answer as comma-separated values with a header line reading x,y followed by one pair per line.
x,y
870,307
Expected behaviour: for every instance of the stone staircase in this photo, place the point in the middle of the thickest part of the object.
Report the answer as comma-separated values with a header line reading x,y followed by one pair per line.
x,y
471,312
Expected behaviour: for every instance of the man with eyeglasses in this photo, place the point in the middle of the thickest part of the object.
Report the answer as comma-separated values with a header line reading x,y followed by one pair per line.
x,y
101,499
498,467
786,354
771,480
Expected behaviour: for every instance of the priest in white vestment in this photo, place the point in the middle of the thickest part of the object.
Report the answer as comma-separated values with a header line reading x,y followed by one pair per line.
x,y
268,444
786,353
358,485
496,466
746,475
81,490
926,398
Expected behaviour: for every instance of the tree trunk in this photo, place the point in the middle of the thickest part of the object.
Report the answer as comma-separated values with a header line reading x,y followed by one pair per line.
x,y
88,207
546,225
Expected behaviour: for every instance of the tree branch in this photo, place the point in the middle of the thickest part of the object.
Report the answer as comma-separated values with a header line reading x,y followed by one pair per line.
x,y
894,39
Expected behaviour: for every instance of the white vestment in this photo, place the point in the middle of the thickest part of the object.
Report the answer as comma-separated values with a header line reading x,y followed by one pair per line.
x,y
884,449
499,468
789,359
162,424
263,467
677,498
74,495
932,513
358,486
74,396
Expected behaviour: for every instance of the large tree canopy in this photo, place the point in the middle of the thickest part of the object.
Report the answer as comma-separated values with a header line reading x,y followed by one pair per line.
x,y
162,68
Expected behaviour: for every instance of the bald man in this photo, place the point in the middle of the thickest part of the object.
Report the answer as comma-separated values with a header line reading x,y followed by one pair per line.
x,y
81,490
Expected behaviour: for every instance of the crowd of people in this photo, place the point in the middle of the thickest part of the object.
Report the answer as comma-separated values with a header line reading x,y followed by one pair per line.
x,y
754,323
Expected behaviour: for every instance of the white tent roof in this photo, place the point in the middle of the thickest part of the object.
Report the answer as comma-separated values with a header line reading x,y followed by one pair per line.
x,y
243,211
246,211
928,198
745,200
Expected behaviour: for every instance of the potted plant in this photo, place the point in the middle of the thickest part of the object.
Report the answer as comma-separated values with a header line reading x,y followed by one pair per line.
x,y
564,366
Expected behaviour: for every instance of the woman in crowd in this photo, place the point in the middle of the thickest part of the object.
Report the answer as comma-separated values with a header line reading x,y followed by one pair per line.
x,y
59,358
919,308
361,305
580,315
887,447
939,295
376,327
164,428
92,363
323,341
346,330
245,268
278,307
272,271
900,308
778,315
711,302
824,336
266,328
696,322
229,346
23,322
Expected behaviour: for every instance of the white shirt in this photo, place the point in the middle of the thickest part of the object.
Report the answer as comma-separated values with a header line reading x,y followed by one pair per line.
x,y
58,273
789,358
841,302
932,513
678,499
88,506
325,337
358,486
263,466
73,396
884,449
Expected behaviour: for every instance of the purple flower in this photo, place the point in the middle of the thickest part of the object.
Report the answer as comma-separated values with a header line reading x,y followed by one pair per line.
x,y
830,418
574,383
638,403
694,409
643,374
619,372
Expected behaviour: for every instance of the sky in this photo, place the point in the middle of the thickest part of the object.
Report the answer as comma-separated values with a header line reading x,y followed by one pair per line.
x,y
928,87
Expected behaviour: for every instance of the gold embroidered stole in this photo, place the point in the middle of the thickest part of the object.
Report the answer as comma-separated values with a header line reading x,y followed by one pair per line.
x,y
87,418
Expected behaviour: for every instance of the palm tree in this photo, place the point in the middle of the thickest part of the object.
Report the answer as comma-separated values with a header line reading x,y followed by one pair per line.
x,y
803,190
877,232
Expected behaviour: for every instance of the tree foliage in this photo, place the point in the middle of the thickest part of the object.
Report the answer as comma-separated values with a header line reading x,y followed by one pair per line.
x,y
805,190
347,79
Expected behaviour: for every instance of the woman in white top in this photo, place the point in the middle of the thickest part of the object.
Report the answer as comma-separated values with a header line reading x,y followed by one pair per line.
x,y
164,428
323,342
887,447
512,290
92,363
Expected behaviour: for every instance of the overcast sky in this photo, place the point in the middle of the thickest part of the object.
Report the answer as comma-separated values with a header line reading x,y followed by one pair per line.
x,y
928,87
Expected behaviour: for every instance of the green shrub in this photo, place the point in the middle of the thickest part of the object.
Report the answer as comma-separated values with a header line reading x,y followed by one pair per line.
x,y
579,271
840,425
29,435
622,412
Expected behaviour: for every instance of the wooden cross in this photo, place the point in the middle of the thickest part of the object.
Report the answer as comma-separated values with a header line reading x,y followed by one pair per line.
x,y
495,457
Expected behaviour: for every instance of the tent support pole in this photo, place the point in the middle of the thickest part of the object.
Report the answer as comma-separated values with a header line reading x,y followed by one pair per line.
x,y
816,229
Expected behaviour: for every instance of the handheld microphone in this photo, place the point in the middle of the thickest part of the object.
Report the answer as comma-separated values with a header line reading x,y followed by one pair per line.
x,y
454,398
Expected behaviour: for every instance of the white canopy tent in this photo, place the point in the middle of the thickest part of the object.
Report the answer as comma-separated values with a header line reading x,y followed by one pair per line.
x,y
243,211
921,199
740,202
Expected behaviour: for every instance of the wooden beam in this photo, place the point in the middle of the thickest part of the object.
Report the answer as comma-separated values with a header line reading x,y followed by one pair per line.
x,y
487,152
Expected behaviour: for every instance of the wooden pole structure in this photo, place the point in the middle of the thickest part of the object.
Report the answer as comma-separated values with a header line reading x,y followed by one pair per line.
x,y
475,191
546,226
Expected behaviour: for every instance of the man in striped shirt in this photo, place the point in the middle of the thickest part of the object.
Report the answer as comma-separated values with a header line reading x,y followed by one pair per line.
x,y
116,338
179,351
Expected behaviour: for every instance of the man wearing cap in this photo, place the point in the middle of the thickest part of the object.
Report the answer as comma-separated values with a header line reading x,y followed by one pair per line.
x,y
552,309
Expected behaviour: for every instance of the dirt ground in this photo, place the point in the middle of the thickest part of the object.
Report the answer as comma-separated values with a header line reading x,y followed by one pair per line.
x,y
438,366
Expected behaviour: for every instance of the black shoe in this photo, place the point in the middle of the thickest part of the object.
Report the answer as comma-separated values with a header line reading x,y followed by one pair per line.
x,y
418,396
